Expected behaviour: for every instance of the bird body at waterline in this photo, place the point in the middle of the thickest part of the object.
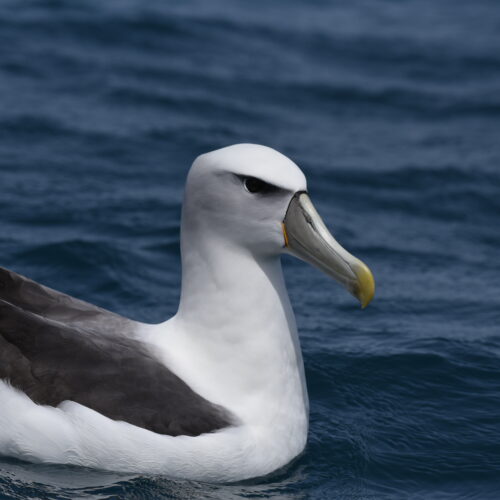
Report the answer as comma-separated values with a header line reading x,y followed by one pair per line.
x,y
216,393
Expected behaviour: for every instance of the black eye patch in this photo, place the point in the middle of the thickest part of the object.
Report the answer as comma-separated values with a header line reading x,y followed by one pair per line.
x,y
254,185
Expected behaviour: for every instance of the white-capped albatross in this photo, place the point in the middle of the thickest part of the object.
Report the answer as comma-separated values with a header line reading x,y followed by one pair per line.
x,y
216,393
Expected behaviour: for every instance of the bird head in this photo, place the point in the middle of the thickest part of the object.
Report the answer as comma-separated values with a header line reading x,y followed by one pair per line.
x,y
256,199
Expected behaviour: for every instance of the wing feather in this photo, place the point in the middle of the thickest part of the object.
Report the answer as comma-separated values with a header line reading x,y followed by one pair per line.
x,y
44,301
56,348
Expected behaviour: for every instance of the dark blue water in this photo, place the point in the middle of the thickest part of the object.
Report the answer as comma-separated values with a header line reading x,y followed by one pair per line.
x,y
392,108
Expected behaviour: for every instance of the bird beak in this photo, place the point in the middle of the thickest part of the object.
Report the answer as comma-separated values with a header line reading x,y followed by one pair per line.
x,y
307,237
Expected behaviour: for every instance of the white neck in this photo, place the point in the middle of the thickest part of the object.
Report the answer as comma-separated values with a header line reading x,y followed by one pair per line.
x,y
234,338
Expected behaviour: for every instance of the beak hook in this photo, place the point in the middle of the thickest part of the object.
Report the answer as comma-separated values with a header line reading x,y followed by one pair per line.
x,y
307,237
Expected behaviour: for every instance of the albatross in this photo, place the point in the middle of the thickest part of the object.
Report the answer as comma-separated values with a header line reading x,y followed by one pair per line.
x,y
216,393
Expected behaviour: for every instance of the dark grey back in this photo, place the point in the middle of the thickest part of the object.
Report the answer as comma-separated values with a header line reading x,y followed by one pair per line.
x,y
56,348
44,301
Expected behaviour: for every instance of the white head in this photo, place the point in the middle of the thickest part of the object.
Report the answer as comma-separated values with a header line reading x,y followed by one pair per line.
x,y
241,193
253,198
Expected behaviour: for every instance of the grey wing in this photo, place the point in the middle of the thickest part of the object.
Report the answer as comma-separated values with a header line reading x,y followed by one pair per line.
x,y
44,301
55,348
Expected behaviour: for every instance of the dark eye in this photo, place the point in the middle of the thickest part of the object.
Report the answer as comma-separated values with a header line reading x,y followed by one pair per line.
x,y
254,185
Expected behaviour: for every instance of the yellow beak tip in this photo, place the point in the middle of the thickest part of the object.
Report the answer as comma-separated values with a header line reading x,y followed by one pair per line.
x,y
365,289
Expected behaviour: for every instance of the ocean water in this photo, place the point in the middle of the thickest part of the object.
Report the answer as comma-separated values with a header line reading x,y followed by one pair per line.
x,y
392,109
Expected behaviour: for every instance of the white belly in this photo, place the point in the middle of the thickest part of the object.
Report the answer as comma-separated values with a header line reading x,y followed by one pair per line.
x,y
74,434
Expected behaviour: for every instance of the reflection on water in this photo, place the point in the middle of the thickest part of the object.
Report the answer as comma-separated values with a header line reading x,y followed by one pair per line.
x,y
20,480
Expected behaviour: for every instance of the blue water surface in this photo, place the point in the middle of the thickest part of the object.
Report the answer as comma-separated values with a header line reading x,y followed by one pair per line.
x,y
392,109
